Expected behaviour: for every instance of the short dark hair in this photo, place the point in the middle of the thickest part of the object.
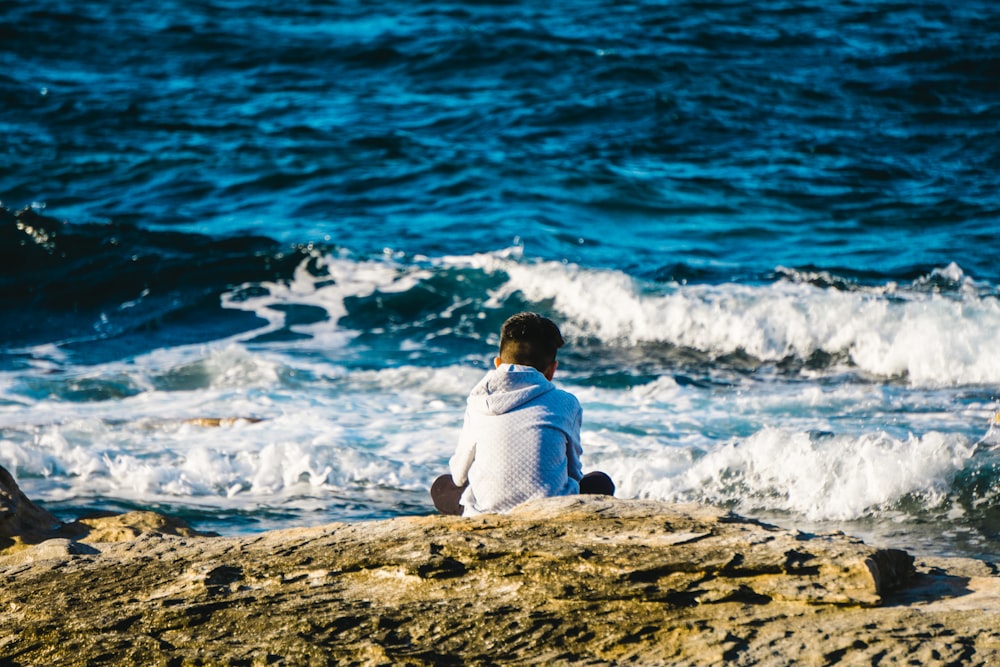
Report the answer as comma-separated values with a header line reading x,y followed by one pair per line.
x,y
529,339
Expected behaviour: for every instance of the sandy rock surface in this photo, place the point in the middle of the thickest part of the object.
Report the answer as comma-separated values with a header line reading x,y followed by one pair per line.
x,y
575,580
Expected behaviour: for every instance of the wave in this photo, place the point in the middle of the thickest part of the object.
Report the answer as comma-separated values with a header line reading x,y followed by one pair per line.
x,y
819,476
132,289
315,432
822,476
112,291
937,330
254,427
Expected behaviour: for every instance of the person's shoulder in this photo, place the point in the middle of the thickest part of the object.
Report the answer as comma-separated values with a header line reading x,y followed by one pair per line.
x,y
566,396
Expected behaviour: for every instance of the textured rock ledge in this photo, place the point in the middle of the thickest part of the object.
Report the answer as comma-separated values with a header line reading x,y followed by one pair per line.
x,y
561,581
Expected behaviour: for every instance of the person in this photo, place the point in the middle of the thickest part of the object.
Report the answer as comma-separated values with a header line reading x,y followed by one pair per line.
x,y
521,436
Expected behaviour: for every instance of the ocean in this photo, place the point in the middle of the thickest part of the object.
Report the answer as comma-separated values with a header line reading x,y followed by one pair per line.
x,y
254,257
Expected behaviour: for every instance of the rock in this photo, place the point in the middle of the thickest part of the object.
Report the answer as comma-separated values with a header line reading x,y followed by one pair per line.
x,y
22,522
216,422
575,580
54,551
128,526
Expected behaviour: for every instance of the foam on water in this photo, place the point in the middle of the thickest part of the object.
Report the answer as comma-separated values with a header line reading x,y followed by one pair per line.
x,y
920,333
341,278
336,434
825,477
927,337
337,429
839,452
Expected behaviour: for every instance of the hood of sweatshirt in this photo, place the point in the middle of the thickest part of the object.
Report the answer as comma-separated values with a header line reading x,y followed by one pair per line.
x,y
507,388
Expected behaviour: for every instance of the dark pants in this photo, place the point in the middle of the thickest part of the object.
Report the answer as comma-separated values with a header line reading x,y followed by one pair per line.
x,y
446,494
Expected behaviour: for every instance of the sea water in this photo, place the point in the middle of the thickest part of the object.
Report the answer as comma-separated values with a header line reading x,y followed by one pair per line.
x,y
263,253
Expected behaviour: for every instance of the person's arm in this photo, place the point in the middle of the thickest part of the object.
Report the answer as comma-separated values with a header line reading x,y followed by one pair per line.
x,y
574,450
464,455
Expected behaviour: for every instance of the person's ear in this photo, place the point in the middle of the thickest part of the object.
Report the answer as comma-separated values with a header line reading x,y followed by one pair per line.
x,y
551,370
496,362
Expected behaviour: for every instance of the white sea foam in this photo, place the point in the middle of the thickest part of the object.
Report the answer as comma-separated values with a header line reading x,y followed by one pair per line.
x,y
918,333
348,433
335,433
821,478
343,431
925,336
343,278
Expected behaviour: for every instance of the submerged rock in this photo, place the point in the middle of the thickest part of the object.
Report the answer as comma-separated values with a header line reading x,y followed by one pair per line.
x,y
575,580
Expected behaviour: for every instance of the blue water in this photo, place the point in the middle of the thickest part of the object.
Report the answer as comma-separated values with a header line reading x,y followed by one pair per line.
x,y
767,228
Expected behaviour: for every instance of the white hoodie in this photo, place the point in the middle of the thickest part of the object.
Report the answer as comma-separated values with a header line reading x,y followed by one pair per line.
x,y
520,440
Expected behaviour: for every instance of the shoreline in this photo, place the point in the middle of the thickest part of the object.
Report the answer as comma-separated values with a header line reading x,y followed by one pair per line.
x,y
921,541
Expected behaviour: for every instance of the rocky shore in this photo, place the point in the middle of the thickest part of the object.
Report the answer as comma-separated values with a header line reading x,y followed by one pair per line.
x,y
575,580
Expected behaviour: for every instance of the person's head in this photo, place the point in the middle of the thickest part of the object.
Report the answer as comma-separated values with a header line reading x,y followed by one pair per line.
x,y
528,339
